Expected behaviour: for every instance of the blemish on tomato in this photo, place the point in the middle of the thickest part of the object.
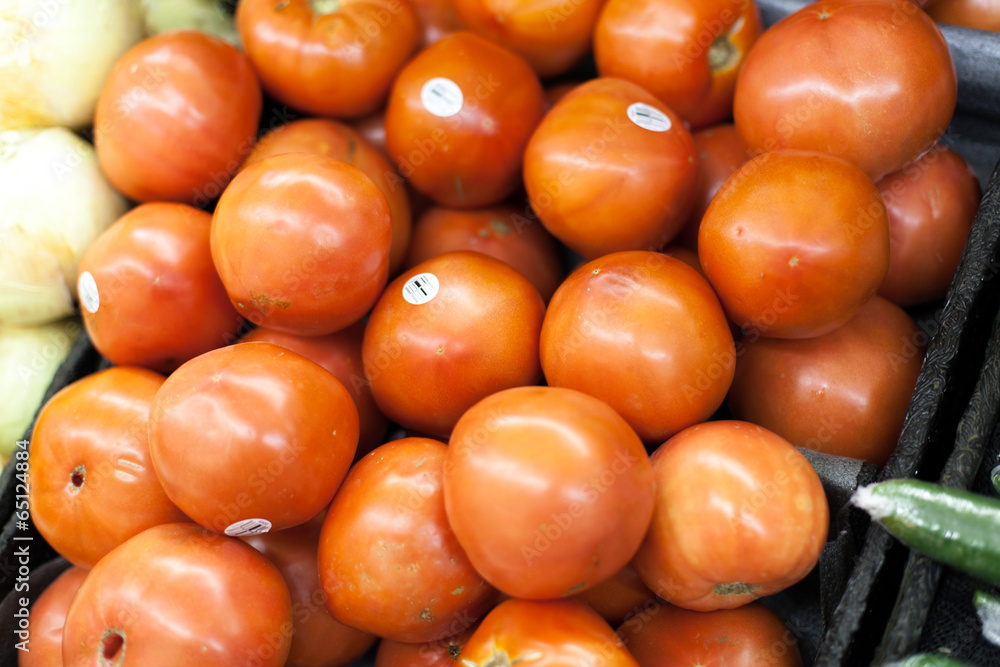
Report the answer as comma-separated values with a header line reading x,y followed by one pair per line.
x,y
794,261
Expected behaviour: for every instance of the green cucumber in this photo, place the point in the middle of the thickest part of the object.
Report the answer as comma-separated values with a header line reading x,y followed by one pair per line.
x,y
927,660
988,610
955,527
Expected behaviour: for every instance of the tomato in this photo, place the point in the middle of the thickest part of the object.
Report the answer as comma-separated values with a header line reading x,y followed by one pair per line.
x,y
795,243
845,392
177,594
619,597
459,116
576,486
388,560
149,292
931,205
645,333
739,514
810,83
318,640
978,14
442,653
552,35
339,141
437,19
720,153
252,434
328,58
502,232
176,117
608,142
339,353
92,484
302,243
685,52
557,91
47,619
752,635
372,129
447,333
552,633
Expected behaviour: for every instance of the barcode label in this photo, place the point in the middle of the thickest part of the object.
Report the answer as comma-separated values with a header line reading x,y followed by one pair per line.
x,y
442,97
248,527
648,118
421,288
86,287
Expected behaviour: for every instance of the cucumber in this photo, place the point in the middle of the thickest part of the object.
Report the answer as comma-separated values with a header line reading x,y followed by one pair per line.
x,y
995,476
988,610
958,528
927,660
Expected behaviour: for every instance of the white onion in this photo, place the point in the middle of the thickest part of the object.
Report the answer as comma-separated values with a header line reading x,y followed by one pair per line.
x,y
54,201
206,15
55,56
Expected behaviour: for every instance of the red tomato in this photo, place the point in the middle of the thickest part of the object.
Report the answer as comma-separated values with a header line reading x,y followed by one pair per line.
x,y
179,595
553,633
48,617
388,560
979,14
575,482
302,243
339,353
871,82
459,117
437,19
739,514
442,653
502,232
328,58
619,597
645,333
318,640
752,635
176,117
339,141
447,333
372,129
795,243
686,52
252,433
720,153
149,292
607,142
92,482
931,205
552,35
845,392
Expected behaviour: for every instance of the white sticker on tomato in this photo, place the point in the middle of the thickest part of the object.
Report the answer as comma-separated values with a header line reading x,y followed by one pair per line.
x,y
442,97
421,288
248,527
648,118
86,287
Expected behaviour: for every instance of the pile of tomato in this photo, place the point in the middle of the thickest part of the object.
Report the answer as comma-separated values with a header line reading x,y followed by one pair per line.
x,y
479,359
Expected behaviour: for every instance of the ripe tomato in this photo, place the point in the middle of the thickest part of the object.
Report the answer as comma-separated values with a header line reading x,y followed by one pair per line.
x,y
845,392
341,142
48,617
372,129
795,243
437,19
459,116
619,597
149,292
318,639
810,83
176,117
180,595
552,633
447,333
552,35
302,243
739,514
752,635
576,484
645,333
720,153
931,205
442,653
607,142
328,58
252,433
685,52
339,353
502,232
388,560
978,14
92,485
